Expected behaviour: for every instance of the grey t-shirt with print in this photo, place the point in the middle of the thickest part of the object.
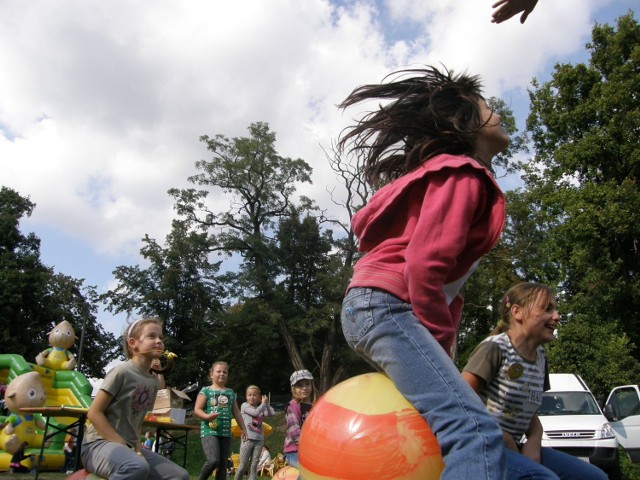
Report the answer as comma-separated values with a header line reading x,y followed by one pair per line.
x,y
134,393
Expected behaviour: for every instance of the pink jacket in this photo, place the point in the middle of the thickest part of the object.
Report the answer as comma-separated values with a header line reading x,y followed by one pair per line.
x,y
425,233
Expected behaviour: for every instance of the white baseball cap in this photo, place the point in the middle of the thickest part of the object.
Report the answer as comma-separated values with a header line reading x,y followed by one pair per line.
x,y
300,375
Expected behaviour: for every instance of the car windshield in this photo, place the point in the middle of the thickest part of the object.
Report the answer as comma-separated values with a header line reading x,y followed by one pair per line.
x,y
568,403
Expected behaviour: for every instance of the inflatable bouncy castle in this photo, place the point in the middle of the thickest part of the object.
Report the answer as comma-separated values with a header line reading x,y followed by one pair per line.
x,y
61,388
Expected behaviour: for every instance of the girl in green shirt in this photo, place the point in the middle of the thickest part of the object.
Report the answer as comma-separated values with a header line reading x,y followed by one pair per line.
x,y
215,405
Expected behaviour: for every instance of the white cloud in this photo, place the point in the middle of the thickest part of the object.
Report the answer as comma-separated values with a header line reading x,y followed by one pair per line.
x,y
102,103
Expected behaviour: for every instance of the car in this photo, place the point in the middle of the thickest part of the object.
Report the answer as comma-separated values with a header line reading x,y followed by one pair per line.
x,y
573,422
622,409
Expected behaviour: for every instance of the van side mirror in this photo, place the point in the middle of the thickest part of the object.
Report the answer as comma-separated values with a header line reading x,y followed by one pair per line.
x,y
609,413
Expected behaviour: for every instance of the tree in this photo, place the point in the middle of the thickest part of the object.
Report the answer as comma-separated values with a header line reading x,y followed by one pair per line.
x,y
33,299
261,184
583,181
596,351
280,289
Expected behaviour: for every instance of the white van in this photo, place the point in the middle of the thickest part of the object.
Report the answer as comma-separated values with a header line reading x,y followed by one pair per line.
x,y
574,423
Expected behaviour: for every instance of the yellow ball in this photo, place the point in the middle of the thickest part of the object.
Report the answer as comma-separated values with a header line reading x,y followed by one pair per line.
x,y
364,429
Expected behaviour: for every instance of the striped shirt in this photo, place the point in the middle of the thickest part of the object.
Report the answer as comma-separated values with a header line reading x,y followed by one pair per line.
x,y
513,385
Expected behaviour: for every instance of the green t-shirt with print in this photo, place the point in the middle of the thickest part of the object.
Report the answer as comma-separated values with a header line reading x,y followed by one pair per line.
x,y
220,401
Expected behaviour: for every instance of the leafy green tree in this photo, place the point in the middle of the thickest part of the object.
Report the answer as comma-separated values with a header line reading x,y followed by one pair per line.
x,y
261,185
581,347
583,183
33,299
280,290
23,279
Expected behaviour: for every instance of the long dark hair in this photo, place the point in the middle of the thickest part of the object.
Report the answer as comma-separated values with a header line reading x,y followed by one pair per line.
x,y
432,112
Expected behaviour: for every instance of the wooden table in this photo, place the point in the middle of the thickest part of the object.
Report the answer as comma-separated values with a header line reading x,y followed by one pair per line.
x,y
79,413
163,429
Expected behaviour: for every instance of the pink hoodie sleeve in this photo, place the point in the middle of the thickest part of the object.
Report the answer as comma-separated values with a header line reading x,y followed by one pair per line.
x,y
452,201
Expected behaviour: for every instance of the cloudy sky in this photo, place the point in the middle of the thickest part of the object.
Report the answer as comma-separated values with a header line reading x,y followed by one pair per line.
x,y
102,102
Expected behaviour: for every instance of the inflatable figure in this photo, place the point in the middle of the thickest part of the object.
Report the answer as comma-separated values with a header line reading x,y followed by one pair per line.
x,y
58,357
25,390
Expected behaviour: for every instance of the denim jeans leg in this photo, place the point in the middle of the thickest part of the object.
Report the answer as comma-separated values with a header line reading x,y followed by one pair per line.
x,y
568,467
385,331
520,467
292,459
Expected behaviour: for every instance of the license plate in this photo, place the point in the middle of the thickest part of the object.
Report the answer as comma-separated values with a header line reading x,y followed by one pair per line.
x,y
584,459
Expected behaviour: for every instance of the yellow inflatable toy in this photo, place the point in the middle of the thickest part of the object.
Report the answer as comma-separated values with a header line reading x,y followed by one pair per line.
x,y
58,357
26,390
61,387
235,429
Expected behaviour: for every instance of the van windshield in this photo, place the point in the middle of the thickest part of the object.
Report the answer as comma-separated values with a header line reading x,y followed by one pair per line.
x,y
568,403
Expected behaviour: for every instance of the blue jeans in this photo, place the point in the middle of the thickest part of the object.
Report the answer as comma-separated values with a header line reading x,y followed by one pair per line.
x,y
292,459
553,465
385,331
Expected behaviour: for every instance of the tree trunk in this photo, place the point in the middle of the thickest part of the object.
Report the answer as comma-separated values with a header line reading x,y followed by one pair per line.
x,y
290,345
326,380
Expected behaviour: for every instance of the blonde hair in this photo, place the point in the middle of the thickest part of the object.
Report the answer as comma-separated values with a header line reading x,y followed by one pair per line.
x,y
253,387
134,330
312,398
216,363
526,295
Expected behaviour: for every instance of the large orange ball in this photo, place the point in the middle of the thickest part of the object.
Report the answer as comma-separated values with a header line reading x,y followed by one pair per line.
x,y
363,429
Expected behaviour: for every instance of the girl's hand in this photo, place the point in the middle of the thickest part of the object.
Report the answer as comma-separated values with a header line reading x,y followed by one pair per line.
x,y
509,8
243,435
265,399
213,416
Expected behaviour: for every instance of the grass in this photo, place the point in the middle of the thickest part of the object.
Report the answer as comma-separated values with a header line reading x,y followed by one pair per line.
x,y
195,456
